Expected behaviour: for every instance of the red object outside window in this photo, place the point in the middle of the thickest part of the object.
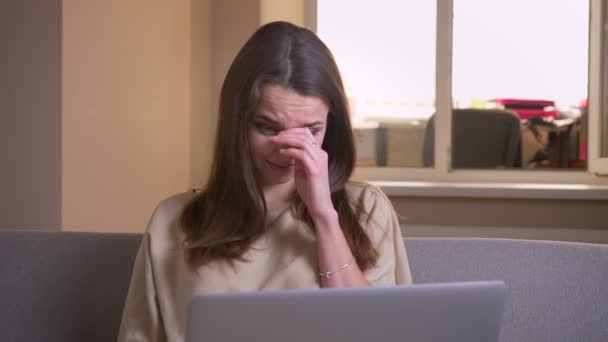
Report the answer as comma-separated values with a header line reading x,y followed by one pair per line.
x,y
527,108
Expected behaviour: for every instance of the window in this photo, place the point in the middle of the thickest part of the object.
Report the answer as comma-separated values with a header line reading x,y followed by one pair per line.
x,y
520,83
598,89
387,61
410,66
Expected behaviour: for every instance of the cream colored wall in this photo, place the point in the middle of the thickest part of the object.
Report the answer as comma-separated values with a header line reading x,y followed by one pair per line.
x,y
292,11
544,219
232,23
201,124
141,89
126,110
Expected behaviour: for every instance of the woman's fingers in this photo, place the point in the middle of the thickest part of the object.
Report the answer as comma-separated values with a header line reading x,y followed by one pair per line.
x,y
301,145
303,133
294,141
298,142
310,167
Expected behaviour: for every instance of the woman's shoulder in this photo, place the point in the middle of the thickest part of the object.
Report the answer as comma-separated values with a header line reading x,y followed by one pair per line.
x,y
369,195
374,206
166,216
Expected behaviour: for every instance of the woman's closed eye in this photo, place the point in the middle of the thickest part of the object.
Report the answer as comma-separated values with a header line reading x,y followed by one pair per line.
x,y
266,129
314,130
270,130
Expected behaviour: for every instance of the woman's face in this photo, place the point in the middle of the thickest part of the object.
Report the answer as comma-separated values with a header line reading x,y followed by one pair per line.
x,y
282,109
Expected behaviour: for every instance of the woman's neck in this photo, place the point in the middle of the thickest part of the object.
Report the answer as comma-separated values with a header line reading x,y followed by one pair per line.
x,y
277,195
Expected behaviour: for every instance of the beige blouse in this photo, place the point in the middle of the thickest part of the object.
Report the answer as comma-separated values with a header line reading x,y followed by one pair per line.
x,y
283,258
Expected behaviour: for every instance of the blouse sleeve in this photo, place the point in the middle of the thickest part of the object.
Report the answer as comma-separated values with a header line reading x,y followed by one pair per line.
x,y
384,230
141,320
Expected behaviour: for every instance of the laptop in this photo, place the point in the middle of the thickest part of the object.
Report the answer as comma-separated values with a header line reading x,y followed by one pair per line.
x,y
439,312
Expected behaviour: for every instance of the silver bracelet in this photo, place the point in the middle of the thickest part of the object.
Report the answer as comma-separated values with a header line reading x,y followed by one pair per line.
x,y
328,274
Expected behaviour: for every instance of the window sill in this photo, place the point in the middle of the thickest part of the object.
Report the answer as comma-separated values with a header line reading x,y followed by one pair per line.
x,y
494,190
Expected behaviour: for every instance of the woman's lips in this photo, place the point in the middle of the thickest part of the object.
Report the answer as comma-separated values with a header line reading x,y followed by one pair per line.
x,y
281,166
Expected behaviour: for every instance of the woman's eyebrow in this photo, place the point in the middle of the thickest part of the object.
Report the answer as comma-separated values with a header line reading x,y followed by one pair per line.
x,y
263,117
312,124
267,119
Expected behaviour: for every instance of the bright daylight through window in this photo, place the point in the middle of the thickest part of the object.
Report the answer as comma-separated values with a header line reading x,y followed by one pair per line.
x,y
519,81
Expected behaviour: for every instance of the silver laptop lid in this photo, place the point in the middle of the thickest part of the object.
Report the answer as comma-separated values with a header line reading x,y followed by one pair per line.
x,y
440,312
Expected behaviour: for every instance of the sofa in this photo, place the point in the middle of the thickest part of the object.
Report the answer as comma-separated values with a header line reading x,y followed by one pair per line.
x,y
68,286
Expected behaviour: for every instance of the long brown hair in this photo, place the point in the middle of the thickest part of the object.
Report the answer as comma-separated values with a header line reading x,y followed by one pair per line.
x,y
223,220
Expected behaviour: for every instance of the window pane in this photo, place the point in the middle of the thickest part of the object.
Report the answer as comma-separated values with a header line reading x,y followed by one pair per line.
x,y
520,83
386,53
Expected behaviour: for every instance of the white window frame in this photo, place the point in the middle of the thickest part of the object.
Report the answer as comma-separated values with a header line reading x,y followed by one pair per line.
x,y
598,84
442,179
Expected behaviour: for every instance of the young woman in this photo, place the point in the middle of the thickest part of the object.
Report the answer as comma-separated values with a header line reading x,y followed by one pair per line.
x,y
279,211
